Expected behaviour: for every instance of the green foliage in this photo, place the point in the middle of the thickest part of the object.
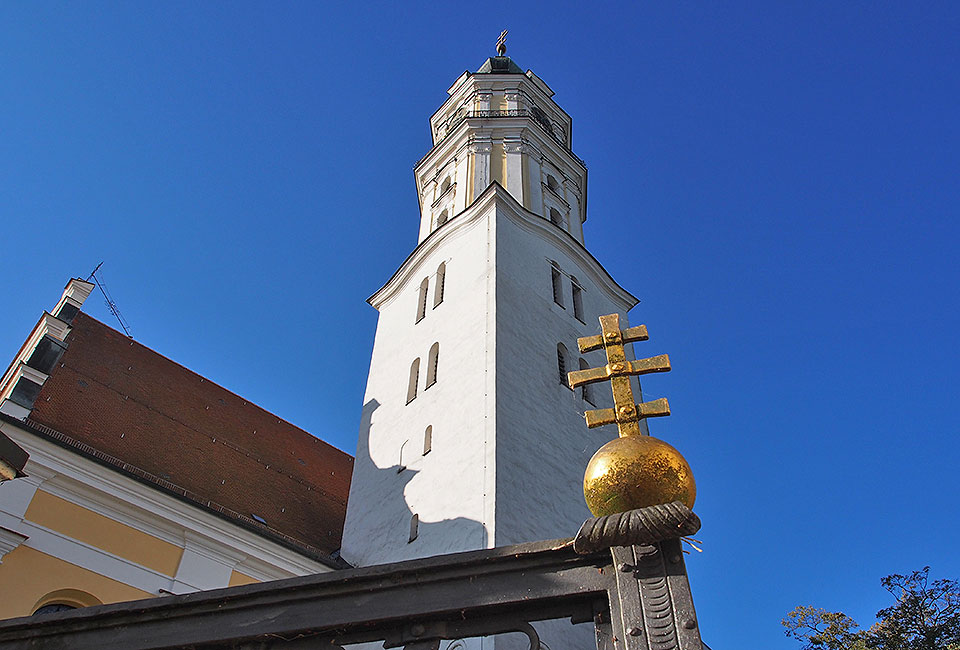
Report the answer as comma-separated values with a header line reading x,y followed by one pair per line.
x,y
926,616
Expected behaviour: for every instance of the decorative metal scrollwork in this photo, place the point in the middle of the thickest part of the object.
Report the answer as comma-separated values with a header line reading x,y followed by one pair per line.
x,y
643,526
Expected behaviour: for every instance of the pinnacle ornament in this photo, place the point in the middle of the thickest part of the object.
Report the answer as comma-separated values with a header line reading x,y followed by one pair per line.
x,y
634,470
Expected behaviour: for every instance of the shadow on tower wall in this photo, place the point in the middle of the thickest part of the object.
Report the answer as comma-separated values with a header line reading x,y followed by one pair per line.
x,y
379,512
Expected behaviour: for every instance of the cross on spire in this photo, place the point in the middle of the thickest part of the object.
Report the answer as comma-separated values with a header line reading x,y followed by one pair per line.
x,y
502,44
626,413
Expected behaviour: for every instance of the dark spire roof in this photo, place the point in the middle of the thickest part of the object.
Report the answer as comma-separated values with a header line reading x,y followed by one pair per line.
x,y
499,65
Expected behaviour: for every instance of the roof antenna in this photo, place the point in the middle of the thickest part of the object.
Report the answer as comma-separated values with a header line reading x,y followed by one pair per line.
x,y
111,305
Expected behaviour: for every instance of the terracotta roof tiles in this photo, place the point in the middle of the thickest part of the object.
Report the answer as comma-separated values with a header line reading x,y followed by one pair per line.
x,y
132,403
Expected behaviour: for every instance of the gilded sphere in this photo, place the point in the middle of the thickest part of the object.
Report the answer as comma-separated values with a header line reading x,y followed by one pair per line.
x,y
636,472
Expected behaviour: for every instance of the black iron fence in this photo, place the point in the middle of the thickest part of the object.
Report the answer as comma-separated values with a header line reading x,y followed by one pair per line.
x,y
636,596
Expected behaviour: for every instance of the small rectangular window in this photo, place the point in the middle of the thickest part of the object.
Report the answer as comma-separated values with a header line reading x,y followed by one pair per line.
x,y
438,288
428,440
562,364
422,300
46,355
586,391
432,362
413,380
414,527
557,287
577,302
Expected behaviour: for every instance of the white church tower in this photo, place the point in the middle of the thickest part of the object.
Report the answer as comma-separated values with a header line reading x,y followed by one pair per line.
x,y
470,437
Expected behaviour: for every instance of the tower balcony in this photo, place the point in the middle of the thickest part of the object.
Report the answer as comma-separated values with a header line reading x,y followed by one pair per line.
x,y
534,115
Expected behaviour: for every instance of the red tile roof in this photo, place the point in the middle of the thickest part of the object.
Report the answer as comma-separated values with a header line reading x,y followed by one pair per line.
x,y
133,404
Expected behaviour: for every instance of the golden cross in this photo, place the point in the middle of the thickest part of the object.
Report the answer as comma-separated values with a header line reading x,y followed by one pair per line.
x,y
502,43
625,412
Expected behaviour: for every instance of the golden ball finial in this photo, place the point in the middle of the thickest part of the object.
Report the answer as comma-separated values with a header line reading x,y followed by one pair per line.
x,y
635,472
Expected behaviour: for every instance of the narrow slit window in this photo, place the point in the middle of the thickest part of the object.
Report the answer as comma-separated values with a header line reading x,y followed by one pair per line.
x,y
555,217
438,286
427,439
577,299
400,465
442,219
432,365
562,364
586,393
414,527
422,299
414,378
557,286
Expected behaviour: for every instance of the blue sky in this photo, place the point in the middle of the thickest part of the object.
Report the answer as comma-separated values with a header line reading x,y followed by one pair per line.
x,y
778,184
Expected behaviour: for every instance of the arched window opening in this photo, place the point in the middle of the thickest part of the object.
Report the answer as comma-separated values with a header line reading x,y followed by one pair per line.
x,y
445,185
53,609
427,439
586,393
562,364
63,599
557,287
422,299
552,183
414,378
432,364
400,465
438,287
577,292
414,527
442,219
555,217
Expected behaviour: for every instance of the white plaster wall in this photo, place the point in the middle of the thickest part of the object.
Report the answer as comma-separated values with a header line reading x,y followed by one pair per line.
x,y
509,441
451,487
543,445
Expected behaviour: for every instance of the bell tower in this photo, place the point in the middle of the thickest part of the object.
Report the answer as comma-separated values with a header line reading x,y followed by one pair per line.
x,y
470,436
501,124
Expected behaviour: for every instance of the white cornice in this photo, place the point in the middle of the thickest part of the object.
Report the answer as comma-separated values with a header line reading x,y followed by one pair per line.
x,y
48,324
123,499
76,292
457,224
496,194
532,86
9,540
89,557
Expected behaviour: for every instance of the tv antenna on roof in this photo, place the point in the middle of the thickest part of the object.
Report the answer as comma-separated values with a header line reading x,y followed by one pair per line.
x,y
111,305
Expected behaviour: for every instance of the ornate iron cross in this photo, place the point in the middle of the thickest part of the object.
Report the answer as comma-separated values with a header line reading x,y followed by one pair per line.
x,y
625,412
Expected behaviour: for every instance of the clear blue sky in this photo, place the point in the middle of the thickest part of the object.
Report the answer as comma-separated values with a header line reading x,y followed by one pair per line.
x,y
777,182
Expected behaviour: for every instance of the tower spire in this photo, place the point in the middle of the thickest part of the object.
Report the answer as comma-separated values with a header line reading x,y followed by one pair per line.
x,y
502,44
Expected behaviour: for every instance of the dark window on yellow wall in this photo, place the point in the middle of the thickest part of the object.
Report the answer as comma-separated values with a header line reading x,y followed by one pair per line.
x,y
53,609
